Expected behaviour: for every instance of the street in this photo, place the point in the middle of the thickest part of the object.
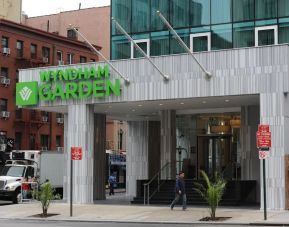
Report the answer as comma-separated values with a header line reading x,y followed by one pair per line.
x,y
13,223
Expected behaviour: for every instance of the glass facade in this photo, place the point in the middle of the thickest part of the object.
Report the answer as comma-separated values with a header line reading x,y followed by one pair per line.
x,y
231,24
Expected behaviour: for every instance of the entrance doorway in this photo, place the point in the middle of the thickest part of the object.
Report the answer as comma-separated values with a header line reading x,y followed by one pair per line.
x,y
214,155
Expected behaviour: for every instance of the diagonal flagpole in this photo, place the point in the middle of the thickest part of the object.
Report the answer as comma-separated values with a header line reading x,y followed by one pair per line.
x,y
181,42
127,81
121,29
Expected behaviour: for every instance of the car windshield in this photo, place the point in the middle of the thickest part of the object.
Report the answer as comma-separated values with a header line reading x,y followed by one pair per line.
x,y
13,171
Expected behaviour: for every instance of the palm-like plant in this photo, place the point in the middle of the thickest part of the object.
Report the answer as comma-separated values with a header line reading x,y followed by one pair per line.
x,y
45,195
212,192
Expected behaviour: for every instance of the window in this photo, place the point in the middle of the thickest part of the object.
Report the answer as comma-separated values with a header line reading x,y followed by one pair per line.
x,y
221,11
33,50
266,9
140,15
180,13
82,59
3,137
200,42
5,42
144,44
44,142
19,49
283,30
17,76
45,116
120,48
71,34
92,60
59,57
18,113
283,6
243,10
243,34
160,43
122,13
163,6
32,141
3,104
267,35
221,37
176,48
58,141
4,72
46,54
120,139
18,140
200,12
29,172
69,58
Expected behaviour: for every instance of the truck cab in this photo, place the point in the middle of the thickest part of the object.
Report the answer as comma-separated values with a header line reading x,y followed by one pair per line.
x,y
14,172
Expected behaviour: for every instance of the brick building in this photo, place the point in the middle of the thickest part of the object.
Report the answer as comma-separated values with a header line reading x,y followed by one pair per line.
x,y
26,47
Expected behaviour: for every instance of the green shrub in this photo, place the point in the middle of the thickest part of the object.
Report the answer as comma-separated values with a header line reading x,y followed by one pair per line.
x,y
45,195
212,192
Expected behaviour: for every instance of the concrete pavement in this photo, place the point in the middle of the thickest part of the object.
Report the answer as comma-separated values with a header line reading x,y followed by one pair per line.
x,y
141,214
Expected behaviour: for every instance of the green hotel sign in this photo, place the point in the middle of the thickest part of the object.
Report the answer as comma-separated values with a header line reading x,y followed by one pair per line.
x,y
67,84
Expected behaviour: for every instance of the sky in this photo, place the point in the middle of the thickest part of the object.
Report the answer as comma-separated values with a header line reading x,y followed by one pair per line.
x,y
44,7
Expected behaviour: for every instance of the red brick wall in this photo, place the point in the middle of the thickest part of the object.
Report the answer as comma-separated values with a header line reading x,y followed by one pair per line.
x,y
25,125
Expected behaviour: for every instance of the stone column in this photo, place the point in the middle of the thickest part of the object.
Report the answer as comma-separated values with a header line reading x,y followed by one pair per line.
x,y
250,164
80,133
168,143
274,110
137,155
99,164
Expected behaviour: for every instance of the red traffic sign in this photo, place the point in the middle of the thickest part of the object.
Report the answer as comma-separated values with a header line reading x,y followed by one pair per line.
x,y
263,154
263,136
263,128
76,153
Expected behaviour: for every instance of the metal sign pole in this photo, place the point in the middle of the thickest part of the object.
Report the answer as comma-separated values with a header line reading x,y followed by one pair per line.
x,y
264,190
71,182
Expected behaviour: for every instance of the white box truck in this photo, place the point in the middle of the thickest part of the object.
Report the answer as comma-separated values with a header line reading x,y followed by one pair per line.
x,y
46,165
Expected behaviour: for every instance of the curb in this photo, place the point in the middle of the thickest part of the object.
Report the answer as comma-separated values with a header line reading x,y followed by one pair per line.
x,y
146,222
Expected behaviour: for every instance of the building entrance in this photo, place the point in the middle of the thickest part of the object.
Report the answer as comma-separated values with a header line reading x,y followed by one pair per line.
x,y
212,144
214,155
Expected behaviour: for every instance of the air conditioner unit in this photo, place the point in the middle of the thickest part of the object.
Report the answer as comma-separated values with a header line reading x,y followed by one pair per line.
x,y
4,114
60,62
44,148
2,147
6,50
44,118
5,81
59,120
45,60
59,149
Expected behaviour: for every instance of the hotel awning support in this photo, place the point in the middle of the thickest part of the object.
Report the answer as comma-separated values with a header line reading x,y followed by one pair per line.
x,y
181,42
127,81
121,29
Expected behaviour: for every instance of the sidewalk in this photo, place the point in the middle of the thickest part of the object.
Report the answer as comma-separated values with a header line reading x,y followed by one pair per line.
x,y
141,214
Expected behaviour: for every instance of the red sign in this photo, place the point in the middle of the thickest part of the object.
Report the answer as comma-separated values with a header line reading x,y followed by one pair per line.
x,y
263,128
263,136
76,153
263,154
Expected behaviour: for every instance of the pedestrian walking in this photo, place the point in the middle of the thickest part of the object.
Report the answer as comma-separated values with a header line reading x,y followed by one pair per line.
x,y
180,191
112,184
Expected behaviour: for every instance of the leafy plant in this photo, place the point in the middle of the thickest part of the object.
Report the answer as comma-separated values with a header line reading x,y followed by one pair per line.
x,y
212,192
45,195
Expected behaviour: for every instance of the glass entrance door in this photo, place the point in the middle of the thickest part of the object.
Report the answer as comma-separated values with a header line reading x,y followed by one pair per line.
x,y
214,155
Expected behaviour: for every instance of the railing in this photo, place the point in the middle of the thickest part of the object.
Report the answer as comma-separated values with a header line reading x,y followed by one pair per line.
x,y
156,178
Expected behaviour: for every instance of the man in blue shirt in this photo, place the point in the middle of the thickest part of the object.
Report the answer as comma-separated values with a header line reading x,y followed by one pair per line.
x,y
111,182
180,191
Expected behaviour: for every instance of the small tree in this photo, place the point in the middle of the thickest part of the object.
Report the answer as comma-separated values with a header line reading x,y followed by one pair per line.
x,y
45,195
212,192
